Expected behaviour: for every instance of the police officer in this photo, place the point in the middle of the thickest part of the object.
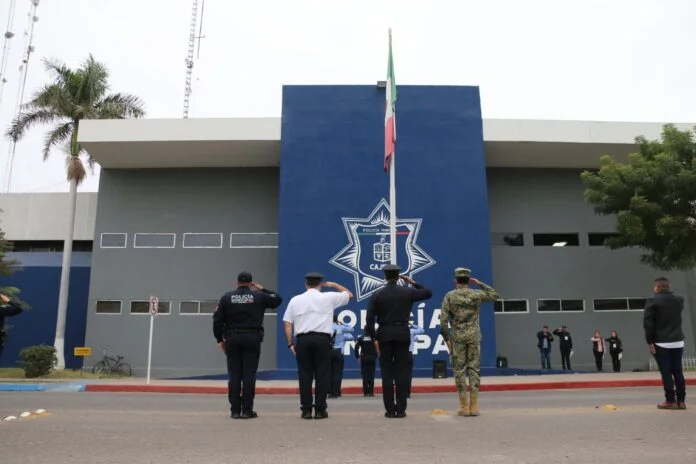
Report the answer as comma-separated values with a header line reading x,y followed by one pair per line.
x,y
238,329
367,354
460,310
566,344
390,307
9,307
310,316
341,334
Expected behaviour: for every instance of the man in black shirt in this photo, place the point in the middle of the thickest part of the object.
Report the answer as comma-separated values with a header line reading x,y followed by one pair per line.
x,y
390,307
662,321
367,354
8,308
566,344
238,329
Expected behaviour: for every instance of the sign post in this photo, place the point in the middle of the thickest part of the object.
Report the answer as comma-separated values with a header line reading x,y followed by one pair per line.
x,y
154,303
82,352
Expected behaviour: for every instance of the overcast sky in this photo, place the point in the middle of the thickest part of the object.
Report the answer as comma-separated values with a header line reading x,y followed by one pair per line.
x,y
629,60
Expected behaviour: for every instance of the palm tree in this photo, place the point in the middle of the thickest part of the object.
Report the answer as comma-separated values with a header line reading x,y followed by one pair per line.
x,y
73,95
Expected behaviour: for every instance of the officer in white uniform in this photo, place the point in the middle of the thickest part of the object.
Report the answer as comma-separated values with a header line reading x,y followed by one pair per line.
x,y
311,316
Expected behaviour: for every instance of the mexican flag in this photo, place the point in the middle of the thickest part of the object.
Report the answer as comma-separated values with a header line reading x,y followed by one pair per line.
x,y
390,110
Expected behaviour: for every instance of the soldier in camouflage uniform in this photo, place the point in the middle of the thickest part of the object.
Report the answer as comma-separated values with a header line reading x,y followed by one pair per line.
x,y
460,310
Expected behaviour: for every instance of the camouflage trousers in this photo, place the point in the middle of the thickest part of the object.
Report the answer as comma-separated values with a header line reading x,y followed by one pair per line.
x,y
466,363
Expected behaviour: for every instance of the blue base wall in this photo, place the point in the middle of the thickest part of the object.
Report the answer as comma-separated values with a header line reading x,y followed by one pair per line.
x,y
333,207
39,282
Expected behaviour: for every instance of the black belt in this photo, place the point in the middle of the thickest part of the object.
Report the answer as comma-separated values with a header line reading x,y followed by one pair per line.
x,y
246,329
393,324
323,334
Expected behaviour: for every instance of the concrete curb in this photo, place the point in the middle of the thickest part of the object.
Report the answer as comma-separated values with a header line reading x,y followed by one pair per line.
x,y
22,387
571,385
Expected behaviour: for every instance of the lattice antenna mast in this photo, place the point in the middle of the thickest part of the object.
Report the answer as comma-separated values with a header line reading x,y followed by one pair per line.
x,y
6,47
191,50
32,19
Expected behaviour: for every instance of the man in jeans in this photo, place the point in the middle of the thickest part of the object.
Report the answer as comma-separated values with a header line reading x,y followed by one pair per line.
x,y
545,338
662,321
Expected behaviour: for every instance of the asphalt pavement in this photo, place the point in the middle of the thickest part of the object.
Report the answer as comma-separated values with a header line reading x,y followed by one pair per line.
x,y
574,426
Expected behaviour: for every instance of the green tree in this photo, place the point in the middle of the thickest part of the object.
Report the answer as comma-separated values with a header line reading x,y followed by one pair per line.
x,y
653,197
71,96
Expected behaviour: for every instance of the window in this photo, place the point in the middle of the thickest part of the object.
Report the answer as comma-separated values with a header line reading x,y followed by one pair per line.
x,y
143,307
515,239
597,240
510,306
556,240
197,307
154,240
551,305
108,307
201,240
48,246
619,304
109,240
254,240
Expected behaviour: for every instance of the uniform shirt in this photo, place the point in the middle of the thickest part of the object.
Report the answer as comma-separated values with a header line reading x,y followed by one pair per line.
x,y
392,303
415,332
460,310
365,347
343,333
312,311
9,309
566,341
243,308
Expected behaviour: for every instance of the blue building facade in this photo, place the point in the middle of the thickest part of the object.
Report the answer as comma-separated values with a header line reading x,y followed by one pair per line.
x,y
38,278
334,211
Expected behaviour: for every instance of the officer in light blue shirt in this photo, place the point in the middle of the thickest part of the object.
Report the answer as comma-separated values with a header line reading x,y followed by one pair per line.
x,y
415,332
342,333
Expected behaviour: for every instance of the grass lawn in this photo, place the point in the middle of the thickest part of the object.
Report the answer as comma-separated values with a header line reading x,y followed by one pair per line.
x,y
67,374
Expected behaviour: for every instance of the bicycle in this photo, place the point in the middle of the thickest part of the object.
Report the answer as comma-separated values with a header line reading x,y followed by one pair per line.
x,y
114,365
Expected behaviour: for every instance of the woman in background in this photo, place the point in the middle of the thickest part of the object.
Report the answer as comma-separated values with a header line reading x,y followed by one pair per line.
x,y
598,349
615,350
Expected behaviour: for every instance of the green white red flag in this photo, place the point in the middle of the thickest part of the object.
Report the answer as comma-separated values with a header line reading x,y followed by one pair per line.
x,y
390,111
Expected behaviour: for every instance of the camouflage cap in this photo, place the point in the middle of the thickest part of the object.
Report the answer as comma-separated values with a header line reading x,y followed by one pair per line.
x,y
462,272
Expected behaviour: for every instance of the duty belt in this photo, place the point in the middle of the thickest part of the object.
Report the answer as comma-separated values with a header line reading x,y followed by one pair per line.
x,y
246,329
394,324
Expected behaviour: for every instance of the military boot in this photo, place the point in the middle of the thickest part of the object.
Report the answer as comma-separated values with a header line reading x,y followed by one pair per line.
x,y
464,405
474,403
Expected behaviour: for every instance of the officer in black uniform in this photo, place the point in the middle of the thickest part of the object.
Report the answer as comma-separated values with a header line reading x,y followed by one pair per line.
x,y
9,307
367,354
390,307
238,329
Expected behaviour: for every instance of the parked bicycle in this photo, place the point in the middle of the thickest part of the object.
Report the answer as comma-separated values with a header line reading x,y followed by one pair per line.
x,y
112,365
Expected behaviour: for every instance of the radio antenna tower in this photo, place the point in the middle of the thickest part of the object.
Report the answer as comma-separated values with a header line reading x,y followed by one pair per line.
x,y
32,19
191,49
6,47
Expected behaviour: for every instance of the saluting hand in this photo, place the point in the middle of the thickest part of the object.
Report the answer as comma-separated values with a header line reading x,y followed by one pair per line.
x,y
407,279
256,286
474,281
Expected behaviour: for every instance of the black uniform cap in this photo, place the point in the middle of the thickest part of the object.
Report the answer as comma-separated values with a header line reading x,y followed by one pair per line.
x,y
313,278
244,277
391,268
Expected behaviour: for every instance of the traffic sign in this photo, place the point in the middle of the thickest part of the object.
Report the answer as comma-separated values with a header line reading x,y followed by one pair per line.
x,y
154,303
83,351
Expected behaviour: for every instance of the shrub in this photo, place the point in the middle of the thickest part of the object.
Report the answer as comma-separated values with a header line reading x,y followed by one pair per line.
x,y
38,361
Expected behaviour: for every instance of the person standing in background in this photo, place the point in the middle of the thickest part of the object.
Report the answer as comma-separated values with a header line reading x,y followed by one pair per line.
x,y
366,352
615,350
415,332
598,349
566,344
662,322
341,334
544,340
9,307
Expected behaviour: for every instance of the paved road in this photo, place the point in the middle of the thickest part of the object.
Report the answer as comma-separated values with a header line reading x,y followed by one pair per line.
x,y
524,427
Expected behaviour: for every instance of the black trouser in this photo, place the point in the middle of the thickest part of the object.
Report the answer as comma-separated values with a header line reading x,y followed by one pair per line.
x,y
565,358
313,352
243,354
598,359
410,372
615,361
337,362
367,371
394,363
669,360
